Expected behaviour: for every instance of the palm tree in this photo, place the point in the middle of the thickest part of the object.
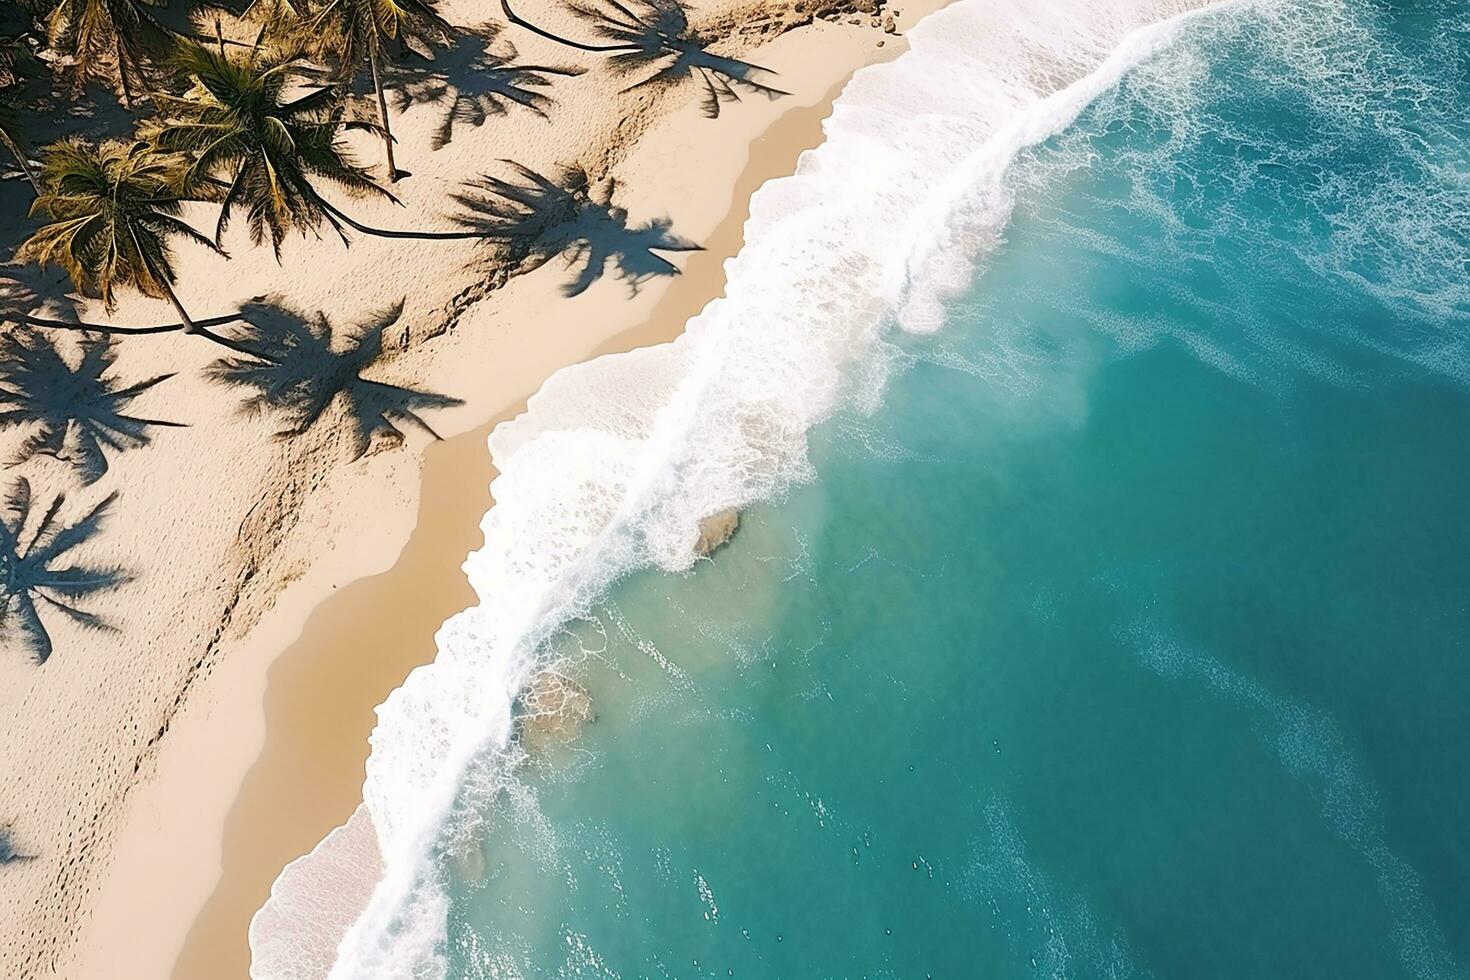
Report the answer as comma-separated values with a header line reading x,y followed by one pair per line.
x,y
95,33
659,41
81,406
540,219
113,208
355,31
29,572
264,145
299,371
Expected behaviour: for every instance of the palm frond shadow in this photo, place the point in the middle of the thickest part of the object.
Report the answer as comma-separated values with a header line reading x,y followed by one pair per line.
x,y
26,289
32,572
8,853
473,80
18,293
299,367
660,44
539,219
74,409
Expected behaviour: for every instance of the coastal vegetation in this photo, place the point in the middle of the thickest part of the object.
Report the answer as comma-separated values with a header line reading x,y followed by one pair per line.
x,y
18,69
243,119
258,144
119,41
114,208
356,32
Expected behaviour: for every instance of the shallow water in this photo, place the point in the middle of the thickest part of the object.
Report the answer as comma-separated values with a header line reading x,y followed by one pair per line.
x,y
1128,637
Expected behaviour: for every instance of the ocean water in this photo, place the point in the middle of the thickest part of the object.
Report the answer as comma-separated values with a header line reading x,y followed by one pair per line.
x,y
1101,601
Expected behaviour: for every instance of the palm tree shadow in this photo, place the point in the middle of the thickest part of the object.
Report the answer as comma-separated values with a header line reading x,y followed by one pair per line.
x,y
53,110
19,296
8,853
539,219
663,46
15,194
73,407
25,289
473,81
31,569
299,367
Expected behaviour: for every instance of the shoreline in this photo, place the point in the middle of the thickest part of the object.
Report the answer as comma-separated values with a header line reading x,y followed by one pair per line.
x,y
325,750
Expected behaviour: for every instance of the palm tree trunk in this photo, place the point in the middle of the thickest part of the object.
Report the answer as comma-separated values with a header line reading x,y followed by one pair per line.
x,y
20,158
195,327
383,115
516,19
122,75
189,325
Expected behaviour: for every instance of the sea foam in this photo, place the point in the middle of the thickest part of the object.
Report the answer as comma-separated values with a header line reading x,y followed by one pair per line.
x,y
616,461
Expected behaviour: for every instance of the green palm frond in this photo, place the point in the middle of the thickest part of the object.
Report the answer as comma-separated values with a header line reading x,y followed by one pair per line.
x,y
19,67
113,208
246,126
350,31
76,413
18,63
354,33
117,40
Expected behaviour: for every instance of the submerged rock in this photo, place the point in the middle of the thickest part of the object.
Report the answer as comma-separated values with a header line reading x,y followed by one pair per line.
x,y
469,862
715,530
555,710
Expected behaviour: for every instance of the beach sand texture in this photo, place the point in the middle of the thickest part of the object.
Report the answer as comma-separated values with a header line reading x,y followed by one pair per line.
x,y
173,766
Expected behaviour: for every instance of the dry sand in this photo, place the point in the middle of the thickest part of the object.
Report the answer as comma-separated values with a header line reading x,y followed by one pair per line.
x,y
139,766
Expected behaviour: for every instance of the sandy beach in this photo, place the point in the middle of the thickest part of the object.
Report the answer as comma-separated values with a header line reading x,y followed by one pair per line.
x,y
163,774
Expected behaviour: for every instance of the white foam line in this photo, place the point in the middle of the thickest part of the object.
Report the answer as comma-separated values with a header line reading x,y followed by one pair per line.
x,y
615,462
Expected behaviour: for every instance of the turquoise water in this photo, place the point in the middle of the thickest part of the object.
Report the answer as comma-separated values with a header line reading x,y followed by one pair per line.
x,y
1129,636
